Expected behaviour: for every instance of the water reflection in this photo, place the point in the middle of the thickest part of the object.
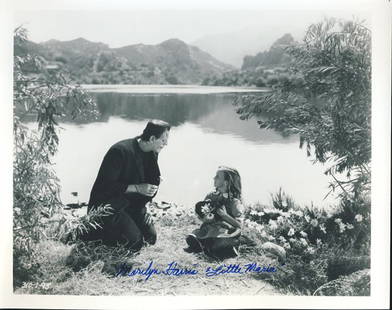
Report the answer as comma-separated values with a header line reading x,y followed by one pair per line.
x,y
206,133
211,112
174,108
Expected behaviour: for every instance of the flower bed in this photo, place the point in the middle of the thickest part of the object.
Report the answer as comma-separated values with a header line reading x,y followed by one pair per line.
x,y
315,240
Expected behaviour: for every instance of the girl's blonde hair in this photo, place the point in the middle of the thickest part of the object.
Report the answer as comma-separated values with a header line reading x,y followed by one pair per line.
x,y
233,179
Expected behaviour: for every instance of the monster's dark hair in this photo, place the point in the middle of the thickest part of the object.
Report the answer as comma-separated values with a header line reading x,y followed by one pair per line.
x,y
154,128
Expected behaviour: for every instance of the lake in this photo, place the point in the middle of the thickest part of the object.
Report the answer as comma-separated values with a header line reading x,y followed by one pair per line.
x,y
206,133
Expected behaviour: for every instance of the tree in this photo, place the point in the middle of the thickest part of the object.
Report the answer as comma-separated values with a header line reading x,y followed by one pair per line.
x,y
47,97
330,109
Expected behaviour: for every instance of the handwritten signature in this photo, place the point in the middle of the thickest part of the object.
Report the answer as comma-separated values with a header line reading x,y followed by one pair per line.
x,y
173,269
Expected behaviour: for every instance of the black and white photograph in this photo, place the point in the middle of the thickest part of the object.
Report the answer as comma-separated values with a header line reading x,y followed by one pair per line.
x,y
209,152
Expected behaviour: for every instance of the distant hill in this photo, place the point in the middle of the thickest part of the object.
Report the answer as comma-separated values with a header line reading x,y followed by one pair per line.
x,y
264,69
275,56
170,62
77,46
231,48
186,63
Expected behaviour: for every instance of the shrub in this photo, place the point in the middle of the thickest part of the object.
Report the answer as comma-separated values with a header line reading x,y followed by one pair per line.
x,y
260,82
330,107
49,97
356,284
318,247
272,80
327,103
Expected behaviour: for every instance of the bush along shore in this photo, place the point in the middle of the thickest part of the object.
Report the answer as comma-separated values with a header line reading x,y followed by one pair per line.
x,y
324,253
327,252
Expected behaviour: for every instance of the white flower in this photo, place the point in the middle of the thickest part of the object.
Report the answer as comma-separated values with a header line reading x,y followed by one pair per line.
x,y
299,213
286,245
307,218
205,209
359,218
342,227
314,222
270,238
319,242
292,240
322,228
311,250
291,232
303,241
349,226
338,220
273,224
303,234
253,212
280,219
282,239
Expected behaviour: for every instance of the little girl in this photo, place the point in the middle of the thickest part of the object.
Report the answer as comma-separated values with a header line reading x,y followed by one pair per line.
x,y
218,236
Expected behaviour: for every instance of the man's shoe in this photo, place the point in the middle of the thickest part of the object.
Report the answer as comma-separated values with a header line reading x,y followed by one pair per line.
x,y
193,244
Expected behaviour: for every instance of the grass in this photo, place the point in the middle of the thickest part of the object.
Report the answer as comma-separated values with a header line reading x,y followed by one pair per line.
x,y
89,269
317,262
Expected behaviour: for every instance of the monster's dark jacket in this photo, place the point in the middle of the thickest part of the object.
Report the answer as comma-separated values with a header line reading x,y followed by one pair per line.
x,y
125,163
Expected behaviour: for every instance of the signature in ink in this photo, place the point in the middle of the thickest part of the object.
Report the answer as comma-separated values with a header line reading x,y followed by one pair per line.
x,y
173,269
236,268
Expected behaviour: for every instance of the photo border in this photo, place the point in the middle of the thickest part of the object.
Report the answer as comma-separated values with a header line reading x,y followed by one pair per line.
x,y
380,212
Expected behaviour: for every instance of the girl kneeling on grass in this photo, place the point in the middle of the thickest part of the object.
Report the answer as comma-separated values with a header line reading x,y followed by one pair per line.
x,y
218,235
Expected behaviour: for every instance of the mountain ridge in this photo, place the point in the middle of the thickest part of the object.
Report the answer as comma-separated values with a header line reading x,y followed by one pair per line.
x,y
169,62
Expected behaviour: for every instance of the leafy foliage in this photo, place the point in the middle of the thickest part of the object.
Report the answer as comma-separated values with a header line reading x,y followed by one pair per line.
x,y
330,108
46,97
85,253
68,227
356,284
320,245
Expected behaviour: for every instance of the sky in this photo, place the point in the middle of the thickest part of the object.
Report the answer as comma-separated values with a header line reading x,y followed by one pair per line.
x,y
120,28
